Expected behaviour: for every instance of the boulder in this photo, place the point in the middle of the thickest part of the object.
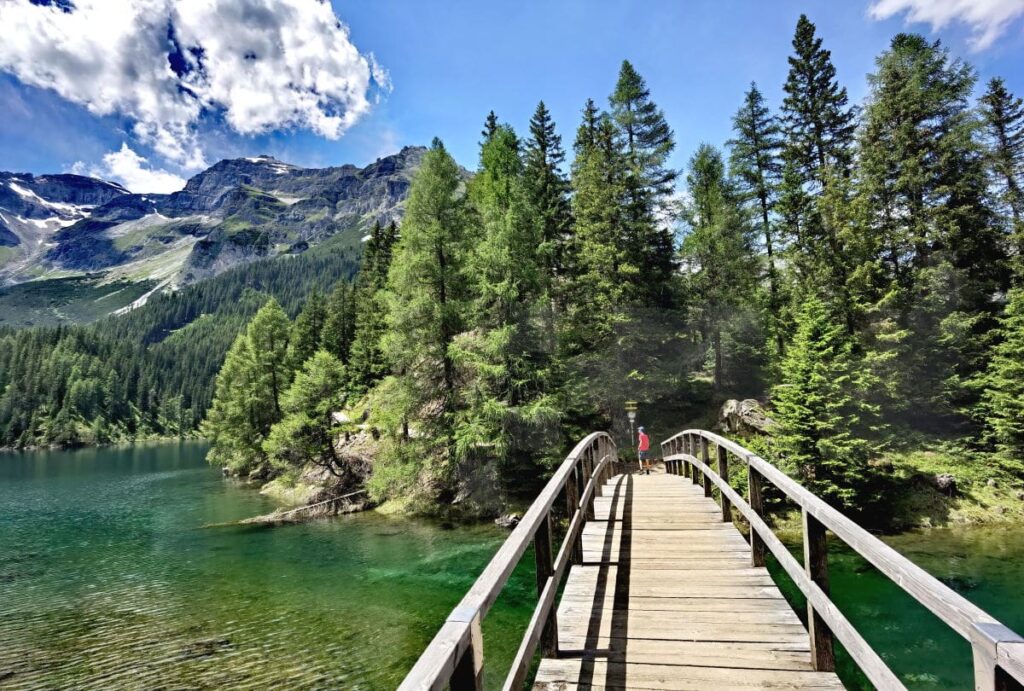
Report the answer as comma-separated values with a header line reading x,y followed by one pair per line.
x,y
508,520
946,484
745,417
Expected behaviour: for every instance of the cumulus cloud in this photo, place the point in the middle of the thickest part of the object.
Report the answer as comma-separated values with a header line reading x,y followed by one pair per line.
x,y
988,19
260,64
133,171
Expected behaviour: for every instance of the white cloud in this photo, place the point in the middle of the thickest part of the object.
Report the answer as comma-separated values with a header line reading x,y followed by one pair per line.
x,y
988,19
261,64
133,171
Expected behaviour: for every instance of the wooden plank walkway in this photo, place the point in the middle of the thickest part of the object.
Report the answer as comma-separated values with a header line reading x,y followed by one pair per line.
x,y
666,598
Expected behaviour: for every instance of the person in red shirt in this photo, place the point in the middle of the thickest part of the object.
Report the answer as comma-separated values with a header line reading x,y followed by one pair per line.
x,y
643,447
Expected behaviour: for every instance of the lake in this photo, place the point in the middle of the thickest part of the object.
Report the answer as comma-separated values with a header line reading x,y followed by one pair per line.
x,y
109,580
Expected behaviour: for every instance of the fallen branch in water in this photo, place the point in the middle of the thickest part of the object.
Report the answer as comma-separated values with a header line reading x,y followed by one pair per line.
x,y
295,515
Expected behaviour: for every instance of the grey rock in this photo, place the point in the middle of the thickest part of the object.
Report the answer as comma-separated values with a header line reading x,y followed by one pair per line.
x,y
746,416
946,484
508,520
991,482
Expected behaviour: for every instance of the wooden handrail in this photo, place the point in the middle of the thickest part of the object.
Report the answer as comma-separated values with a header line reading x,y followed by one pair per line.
x,y
998,652
455,655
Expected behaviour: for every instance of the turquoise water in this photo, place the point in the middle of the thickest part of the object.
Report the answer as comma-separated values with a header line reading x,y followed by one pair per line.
x,y
108,581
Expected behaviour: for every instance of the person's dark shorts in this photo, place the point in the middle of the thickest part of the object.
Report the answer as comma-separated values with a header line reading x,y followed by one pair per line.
x,y
643,455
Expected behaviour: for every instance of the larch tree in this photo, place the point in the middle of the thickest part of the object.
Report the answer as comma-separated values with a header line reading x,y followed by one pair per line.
x,y
339,325
428,298
307,330
507,408
367,363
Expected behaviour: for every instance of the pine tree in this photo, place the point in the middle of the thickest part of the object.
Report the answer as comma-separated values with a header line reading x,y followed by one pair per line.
x,y
755,164
717,251
428,297
307,330
1003,398
1004,123
548,188
646,141
825,427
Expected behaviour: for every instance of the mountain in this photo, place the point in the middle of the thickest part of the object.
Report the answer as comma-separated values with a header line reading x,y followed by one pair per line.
x,y
68,238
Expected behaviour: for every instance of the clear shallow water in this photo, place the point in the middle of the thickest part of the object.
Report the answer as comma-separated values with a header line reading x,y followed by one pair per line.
x,y
107,581
985,565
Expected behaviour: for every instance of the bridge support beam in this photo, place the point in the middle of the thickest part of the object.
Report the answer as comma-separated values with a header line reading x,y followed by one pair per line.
x,y
469,670
723,472
542,547
816,564
755,498
706,458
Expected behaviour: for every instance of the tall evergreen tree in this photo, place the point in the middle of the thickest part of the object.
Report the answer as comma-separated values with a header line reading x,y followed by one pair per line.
x,y
507,406
938,254
428,298
490,127
647,141
1003,398
367,363
1004,125
340,323
596,288
757,168
717,251
825,427
548,188
307,330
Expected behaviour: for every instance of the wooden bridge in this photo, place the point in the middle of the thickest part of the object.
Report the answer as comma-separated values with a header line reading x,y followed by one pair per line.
x,y
662,591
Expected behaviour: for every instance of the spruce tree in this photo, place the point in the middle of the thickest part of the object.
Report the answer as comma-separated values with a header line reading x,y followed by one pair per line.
x,y
548,188
825,427
428,297
819,124
1003,398
490,127
339,325
755,164
646,141
717,251
367,363
307,330
1004,125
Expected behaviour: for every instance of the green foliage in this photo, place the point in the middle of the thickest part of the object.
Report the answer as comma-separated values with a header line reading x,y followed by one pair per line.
x,y
819,404
1003,115
307,431
367,362
1003,402
548,188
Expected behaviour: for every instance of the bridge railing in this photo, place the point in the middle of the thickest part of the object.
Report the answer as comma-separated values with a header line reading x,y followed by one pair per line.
x,y
998,652
455,655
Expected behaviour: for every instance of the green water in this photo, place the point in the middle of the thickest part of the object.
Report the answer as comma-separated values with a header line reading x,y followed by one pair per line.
x,y
106,581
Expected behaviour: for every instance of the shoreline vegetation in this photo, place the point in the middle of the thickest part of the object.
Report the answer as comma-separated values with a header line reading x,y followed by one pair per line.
x,y
856,268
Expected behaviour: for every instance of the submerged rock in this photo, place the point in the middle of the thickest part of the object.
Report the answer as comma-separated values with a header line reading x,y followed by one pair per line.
x,y
508,520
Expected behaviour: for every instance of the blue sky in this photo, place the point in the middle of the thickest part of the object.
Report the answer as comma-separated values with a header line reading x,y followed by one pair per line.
x,y
444,65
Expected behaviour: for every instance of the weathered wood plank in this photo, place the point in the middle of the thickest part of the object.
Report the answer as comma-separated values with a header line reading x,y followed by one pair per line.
x,y
553,674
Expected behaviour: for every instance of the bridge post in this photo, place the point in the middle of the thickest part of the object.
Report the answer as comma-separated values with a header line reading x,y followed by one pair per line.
x,y
693,452
588,469
987,638
756,501
704,456
469,670
572,501
596,454
542,547
816,564
723,472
